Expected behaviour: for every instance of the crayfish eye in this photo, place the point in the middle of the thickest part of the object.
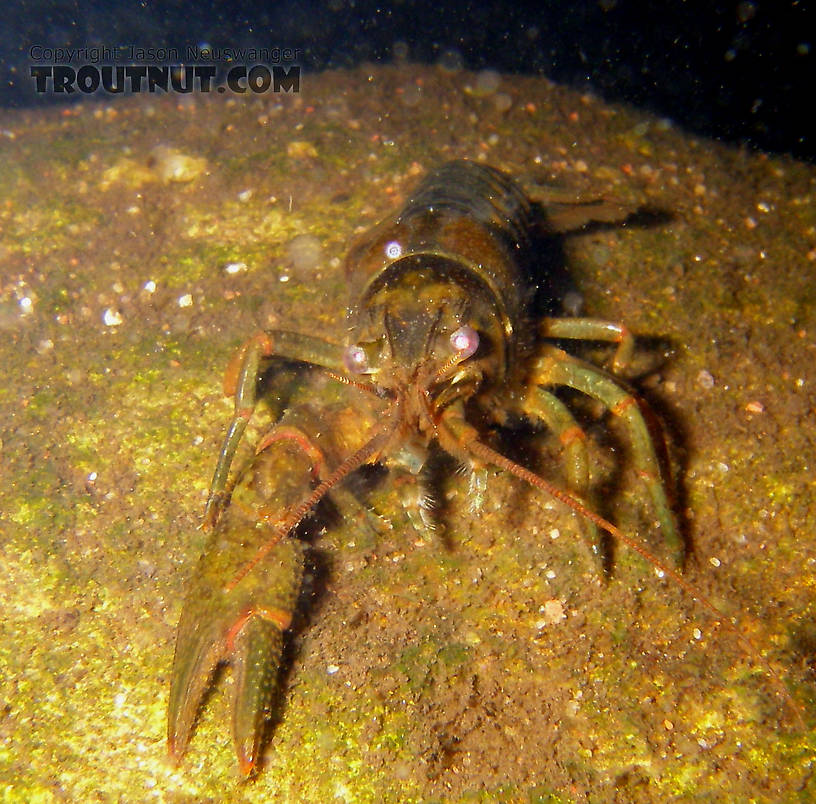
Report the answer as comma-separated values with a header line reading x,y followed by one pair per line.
x,y
355,359
465,341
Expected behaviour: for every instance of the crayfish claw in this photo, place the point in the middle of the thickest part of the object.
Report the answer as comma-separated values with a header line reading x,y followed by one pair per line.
x,y
257,653
197,653
240,624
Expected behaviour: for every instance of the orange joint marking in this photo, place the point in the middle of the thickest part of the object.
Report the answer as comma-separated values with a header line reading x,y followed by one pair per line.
x,y
572,434
245,413
246,765
279,617
236,629
313,453
646,475
620,408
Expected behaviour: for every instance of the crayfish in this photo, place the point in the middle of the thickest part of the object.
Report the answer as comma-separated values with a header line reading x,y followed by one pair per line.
x,y
440,338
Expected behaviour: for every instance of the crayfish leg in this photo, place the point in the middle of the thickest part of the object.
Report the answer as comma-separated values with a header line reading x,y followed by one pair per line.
x,y
549,409
593,329
241,383
557,368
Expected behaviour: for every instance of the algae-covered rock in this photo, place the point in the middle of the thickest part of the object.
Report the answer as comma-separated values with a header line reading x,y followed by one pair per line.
x,y
490,663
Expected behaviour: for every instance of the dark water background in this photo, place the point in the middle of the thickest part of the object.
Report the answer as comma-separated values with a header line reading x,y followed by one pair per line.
x,y
738,71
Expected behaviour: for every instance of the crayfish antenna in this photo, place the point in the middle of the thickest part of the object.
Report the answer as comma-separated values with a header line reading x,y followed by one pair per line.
x,y
481,451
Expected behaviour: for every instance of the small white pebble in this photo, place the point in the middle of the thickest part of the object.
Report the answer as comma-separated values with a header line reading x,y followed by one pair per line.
x,y
705,379
26,305
245,195
555,533
149,286
553,611
235,267
186,300
714,561
697,633
550,574
112,318
284,277
332,669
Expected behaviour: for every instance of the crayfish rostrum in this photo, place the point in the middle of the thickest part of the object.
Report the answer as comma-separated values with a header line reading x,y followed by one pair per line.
x,y
441,341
